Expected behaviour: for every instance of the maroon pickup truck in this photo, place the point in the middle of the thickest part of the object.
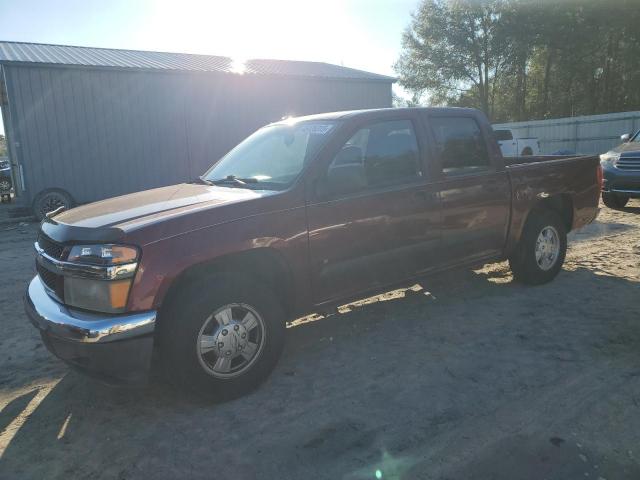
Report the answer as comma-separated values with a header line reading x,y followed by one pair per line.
x,y
304,215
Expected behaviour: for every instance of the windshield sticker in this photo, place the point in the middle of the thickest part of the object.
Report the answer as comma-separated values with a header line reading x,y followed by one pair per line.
x,y
316,128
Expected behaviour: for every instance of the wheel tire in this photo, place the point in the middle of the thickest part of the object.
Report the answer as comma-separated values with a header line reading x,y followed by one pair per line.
x,y
523,262
181,323
5,184
614,201
49,200
527,152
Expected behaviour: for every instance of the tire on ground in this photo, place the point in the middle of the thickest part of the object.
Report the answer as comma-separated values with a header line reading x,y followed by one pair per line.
x,y
183,318
5,184
523,262
614,201
50,200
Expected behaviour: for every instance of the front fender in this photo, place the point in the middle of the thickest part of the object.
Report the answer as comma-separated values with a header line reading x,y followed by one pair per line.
x,y
163,262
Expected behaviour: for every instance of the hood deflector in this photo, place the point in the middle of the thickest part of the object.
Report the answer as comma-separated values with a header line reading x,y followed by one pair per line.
x,y
63,233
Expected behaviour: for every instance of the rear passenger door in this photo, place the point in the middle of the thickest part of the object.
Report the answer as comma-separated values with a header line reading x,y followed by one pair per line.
x,y
382,226
475,192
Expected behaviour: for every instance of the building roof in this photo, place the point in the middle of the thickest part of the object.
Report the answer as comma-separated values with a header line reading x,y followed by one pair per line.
x,y
37,53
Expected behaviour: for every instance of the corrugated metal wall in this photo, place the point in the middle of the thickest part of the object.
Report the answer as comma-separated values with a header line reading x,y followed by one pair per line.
x,y
592,134
98,133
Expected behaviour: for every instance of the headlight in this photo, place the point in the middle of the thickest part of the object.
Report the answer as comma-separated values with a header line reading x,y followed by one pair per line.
x,y
609,157
100,277
103,254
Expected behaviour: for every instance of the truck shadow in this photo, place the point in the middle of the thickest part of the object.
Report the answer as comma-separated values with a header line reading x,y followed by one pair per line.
x,y
599,229
388,379
632,208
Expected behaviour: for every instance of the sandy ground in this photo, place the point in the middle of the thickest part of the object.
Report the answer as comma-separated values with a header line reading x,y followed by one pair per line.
x,y
481,378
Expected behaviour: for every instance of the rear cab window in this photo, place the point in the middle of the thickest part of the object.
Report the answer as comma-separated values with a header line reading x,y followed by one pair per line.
x,y
502,135
460,145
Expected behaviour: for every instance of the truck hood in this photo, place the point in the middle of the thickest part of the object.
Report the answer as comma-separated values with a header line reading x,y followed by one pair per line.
x,y
153,205
626,147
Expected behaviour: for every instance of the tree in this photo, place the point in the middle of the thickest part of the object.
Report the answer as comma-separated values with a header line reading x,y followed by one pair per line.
x,y
452,48
524,59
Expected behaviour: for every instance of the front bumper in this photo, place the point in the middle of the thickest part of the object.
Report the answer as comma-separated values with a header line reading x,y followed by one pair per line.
x,y
116,348
622,182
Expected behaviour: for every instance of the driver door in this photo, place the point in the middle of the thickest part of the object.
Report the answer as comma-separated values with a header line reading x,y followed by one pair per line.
x,y
381,226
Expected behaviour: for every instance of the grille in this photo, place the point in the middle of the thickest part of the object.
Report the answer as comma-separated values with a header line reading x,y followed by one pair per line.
x,y
628,163
51,248
53,281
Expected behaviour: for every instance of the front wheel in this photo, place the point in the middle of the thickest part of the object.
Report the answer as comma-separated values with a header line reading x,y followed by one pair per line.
x,y
614,201
540,253
221,336
5,184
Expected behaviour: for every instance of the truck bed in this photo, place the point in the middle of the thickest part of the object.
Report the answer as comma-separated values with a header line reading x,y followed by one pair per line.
x,y
563,178
527,159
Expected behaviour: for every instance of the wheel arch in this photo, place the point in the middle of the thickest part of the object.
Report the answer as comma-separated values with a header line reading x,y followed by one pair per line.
x,y
263,264
527,151
42,193
562,204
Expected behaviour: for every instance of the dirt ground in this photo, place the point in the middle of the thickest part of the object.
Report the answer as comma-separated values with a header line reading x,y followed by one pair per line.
x,y
480,378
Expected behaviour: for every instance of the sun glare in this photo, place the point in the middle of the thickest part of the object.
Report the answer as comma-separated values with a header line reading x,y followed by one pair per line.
x,y
238,66
280,29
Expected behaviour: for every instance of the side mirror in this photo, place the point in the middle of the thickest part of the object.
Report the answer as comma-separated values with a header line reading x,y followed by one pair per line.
x,y
625,138
346,178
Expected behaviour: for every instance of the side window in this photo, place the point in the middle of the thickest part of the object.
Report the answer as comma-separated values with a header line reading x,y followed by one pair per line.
x,y
502,135
383,153
460,144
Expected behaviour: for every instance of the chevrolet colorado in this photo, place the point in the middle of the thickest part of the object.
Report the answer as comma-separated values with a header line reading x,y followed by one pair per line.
x,y
306,214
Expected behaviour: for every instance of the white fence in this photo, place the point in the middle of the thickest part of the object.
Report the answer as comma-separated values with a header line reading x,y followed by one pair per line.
x,y
592,134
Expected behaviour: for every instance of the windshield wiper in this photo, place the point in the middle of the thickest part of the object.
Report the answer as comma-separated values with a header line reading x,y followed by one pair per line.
x,y
233,180
201,181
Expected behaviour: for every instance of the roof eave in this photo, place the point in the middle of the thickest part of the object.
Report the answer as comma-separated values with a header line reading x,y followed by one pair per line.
x,y
372,79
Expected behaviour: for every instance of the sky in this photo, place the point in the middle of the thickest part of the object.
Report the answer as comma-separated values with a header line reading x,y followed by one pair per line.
x,y
364,34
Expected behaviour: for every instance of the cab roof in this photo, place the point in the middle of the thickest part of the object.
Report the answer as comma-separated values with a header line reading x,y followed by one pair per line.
x,y
372,112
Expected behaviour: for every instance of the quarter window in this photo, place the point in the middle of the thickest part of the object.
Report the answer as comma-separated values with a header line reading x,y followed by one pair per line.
x,y
460,144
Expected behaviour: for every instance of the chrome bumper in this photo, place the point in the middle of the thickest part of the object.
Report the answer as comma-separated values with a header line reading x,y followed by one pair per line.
x,y
115,348
65,323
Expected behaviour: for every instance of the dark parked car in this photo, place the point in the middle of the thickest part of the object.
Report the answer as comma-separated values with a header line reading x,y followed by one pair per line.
x,y
302,216
5,177
621,169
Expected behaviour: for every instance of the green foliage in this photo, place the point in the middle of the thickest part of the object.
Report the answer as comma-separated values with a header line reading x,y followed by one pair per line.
x,y
523,59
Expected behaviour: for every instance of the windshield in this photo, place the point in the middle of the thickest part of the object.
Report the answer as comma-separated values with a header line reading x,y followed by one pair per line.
x,y
271,158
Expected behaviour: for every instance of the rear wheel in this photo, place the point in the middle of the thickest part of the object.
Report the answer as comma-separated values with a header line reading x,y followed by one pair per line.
x,y
614,201
223,342
542,248
527,151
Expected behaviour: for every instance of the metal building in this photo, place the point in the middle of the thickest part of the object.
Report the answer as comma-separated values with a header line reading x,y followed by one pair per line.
x,y
588,134
97,122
